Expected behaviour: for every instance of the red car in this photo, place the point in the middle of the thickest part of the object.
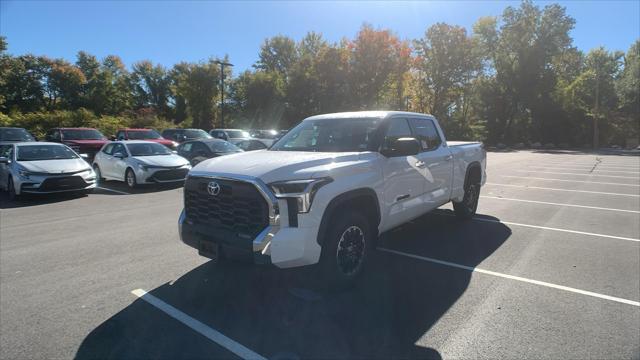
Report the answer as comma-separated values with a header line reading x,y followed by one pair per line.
x,y
145,134
82,140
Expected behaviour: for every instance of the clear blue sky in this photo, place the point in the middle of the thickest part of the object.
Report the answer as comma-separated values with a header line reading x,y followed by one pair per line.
x,y
168,32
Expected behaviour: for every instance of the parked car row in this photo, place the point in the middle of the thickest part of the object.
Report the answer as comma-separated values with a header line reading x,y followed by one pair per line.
x,y
76,159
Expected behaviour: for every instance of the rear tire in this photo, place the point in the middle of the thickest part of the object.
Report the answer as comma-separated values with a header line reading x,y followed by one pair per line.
x,y
466,209
345,251
130,178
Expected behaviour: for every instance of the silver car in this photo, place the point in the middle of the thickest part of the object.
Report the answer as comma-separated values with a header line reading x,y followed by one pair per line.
x,y
139,162
42,167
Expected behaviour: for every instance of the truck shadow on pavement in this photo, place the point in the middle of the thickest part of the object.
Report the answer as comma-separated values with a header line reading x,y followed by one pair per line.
x,y
277,314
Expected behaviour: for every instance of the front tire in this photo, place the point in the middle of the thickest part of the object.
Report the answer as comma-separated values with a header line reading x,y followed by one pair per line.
x,y
130,178
466,209
11,190
99,178
345,251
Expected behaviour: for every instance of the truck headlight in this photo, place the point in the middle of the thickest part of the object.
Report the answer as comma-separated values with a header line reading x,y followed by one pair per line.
x,y
302,190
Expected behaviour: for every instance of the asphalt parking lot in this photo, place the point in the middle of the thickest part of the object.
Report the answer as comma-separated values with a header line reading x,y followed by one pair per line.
x,y
549,268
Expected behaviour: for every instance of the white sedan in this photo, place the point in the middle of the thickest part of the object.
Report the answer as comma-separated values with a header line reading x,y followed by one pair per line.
x,y
139,162
42,167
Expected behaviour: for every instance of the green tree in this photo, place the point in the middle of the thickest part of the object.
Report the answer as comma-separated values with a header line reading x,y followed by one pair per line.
x,y
375,61
198,85
520,53
628,90
261,99
593,91
449,61
277,54
152,87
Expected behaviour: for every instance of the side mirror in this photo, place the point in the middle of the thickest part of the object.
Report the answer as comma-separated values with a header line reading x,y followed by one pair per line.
x,y
407,146
119,155
4,160
112,138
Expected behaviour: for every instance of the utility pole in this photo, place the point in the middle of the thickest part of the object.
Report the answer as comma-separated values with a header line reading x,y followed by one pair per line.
x,y
222,65
596,113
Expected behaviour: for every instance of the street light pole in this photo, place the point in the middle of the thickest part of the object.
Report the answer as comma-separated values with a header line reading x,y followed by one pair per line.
x,y
222,65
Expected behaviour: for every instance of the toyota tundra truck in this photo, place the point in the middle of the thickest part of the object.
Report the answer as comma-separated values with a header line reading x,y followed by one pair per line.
x,y
324,192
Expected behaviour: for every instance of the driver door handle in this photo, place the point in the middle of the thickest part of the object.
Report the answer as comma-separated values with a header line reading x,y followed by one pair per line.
x,y
448,157
420,163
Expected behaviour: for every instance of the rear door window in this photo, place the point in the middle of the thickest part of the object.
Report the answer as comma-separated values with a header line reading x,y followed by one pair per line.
x,y
426,133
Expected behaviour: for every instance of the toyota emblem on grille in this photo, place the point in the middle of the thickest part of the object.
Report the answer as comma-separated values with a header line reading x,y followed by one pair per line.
x,y
213,188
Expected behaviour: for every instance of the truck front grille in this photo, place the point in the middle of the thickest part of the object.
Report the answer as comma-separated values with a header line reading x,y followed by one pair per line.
x,y
239,207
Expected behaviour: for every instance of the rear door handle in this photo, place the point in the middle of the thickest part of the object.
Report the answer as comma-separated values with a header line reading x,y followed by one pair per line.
x,y
420,163
448,158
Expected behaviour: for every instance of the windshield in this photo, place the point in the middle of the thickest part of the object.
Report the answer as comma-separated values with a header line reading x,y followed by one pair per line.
x,y
223,147
84,134
196,134
44,152
149,149
15,135
143,134
329,135
238,134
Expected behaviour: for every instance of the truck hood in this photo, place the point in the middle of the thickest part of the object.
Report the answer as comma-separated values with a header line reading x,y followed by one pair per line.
x,y
272,166
162,160
55,166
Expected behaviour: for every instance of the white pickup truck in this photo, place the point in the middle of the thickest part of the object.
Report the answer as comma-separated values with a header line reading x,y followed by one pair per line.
x,y
326,190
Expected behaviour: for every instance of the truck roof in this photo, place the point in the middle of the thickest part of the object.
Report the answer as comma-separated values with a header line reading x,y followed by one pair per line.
x,y
363,114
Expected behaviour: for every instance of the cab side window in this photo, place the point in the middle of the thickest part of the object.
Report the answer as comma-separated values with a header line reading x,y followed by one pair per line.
x,y
121,135
398,128
426,133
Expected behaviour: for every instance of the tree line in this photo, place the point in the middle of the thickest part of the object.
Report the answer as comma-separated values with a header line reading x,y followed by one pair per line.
x,y
515,78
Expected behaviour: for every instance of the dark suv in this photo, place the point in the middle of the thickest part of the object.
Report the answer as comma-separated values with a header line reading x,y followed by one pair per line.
x,y
15,134
181,135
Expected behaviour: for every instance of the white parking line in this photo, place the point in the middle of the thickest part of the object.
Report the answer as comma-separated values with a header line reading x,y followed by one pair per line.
x,y
512,277
579,174
565,180
570,190
545,228
115,191
599,166
198,327
595,171
557,204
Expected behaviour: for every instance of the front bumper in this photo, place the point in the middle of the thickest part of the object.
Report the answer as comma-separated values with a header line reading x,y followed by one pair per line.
x,y
162,175
55,184
277,244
